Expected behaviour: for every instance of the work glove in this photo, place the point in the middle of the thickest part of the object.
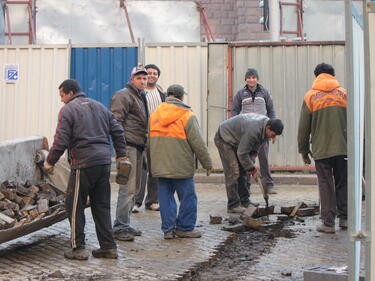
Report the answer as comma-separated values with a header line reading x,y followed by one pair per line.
x,y
306,158
48,169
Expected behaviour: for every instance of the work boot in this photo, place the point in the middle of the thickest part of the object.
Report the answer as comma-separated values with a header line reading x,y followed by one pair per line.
x,y
169,235
237,210
79,253
134,231
105,253
343,223
123,236
153,207
188,234
325,228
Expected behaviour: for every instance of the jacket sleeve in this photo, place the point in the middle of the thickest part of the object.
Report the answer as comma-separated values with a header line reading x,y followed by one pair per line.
x,y
62,137
269,106
237,104
120,107
304,129
249,142
196,142
117,133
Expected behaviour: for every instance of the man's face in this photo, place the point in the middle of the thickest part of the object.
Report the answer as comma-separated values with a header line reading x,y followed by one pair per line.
x,y
139,81
65,97
153,76
270,134
252,82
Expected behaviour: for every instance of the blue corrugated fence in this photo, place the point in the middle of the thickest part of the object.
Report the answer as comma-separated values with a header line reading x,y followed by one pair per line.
x,y
102,71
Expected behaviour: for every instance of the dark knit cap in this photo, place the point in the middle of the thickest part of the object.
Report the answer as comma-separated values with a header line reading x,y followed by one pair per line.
x,y
153,66
176,90
251,72
276,125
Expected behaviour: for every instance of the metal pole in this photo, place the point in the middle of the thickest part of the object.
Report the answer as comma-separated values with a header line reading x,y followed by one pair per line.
x,y
355,131
369,39
274,16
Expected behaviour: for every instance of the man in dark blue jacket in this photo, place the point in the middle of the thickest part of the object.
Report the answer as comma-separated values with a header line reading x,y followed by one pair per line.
x,y
84,128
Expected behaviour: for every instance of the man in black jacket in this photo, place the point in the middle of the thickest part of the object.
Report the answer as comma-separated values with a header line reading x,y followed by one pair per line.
x,y
84,128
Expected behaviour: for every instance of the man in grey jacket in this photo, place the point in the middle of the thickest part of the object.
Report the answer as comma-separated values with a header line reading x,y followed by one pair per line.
x,y
254,98
84,128
130,109
238,141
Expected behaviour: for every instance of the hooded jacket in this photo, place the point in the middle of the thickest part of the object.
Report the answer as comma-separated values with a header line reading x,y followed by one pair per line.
x,y
323,119
245,132
174,139
84,128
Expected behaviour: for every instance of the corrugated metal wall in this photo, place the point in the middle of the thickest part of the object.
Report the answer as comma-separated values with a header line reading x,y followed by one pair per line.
x,y
184,64
287,71
101,71
31,105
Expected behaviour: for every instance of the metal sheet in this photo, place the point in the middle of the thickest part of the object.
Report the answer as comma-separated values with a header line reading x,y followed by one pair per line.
x,y
324,15
31,105
102,71
103,21
287,71
184,64
216,96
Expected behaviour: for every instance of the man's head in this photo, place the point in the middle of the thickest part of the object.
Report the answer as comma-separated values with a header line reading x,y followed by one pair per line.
x,y
324,68
252,78
153,75
176,91
67,89
274,127
138,78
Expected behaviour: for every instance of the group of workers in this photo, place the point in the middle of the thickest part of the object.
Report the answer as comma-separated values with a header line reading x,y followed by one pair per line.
x,y
159,134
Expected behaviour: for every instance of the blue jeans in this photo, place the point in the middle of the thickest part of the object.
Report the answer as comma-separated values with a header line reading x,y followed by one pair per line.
x,y
187,213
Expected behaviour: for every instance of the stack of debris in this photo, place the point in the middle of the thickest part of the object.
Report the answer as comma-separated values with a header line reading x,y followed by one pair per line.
x,y
252,218
24,203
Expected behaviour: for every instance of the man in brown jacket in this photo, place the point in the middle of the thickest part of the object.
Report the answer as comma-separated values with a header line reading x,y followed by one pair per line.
x,y
130,109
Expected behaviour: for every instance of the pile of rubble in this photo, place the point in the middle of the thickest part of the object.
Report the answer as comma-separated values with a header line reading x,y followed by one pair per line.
x,y
263,218
25,203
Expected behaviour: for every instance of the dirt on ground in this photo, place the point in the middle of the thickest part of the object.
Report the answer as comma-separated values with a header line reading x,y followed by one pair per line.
x,y
240,253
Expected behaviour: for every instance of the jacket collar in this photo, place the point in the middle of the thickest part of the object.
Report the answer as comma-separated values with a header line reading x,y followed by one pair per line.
x,y
80,94
177,102
131,87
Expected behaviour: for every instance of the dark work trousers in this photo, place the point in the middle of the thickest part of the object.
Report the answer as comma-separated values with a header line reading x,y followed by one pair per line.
x,y
238,188
94,183
152,187
333,188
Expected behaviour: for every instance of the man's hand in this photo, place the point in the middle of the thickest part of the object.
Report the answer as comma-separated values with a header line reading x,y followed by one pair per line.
x,y
254,173
208,172
306,158
48,169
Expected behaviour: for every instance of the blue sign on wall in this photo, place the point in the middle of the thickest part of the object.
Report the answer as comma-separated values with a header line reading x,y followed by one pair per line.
x,y
102,71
